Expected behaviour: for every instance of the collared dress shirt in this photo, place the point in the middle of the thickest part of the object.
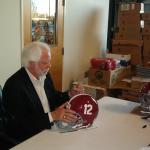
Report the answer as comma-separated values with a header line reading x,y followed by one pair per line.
x,y
39,87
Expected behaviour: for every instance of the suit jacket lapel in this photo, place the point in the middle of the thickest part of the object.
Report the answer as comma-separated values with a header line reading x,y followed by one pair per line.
x,y
31,92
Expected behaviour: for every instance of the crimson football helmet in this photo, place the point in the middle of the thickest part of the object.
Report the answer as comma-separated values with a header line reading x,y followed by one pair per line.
x,y
86,109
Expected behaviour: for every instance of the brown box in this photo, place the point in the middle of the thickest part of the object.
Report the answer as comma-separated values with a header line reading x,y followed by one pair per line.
x,y
95,91
137,82
146,46
146,31
130,28
146,51
136,52
137,43
126,95
124,22
146,61
133,7
133,47
128,36
147,24
133,92
145,16
129,19
146,39
118,56
108,78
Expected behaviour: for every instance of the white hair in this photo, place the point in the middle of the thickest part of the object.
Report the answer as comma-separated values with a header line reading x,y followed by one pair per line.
x,y
32,52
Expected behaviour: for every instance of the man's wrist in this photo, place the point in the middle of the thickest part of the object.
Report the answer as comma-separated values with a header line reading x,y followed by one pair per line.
x,y
53,115
50,117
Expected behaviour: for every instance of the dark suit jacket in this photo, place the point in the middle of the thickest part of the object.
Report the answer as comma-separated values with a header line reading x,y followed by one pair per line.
x,y
24,110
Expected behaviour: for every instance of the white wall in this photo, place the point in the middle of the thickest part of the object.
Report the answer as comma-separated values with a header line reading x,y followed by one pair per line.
x,y
85,36
10,38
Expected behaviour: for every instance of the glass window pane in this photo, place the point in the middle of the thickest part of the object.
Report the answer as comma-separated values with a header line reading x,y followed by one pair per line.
x,y
43,14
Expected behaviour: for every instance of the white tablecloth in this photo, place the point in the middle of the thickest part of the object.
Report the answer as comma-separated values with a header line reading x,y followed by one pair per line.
x,y
117,127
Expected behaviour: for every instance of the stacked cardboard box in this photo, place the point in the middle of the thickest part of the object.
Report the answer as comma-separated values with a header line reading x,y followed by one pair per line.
x,y
128,38
95,91
130,94
134,89
108,78
132,47
138,82
146,39
129,22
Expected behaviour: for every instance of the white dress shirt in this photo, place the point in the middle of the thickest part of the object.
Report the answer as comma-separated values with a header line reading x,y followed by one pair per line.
x,y
39,87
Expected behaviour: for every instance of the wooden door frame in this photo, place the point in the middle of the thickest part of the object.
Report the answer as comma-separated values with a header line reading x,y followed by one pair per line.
x,y
56,50
26,22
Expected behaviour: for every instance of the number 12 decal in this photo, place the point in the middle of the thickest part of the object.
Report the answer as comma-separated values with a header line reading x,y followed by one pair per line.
x,y
88,109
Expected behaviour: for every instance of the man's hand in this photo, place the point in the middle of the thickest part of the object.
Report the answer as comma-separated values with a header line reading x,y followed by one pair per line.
x,y
63,113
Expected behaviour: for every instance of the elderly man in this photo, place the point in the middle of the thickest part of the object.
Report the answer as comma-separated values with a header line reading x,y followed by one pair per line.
x,y
30,99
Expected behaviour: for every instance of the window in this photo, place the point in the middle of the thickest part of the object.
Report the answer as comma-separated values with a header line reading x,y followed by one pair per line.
x,y
43,14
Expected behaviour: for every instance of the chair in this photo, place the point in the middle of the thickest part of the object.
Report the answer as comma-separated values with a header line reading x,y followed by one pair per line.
x,y
6,142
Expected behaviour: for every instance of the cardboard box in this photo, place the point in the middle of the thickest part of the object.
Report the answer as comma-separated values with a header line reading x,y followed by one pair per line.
x,y
137,43
125,22
138,82
146,39
135,52
118,56
146,61
128,96
146,51
133,47
147,24
132,7
95,91
129,19
108,78
146,31
128,36
145,16
130,28
146,46
132,92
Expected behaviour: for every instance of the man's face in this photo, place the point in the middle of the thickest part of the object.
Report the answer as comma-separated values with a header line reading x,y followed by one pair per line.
x,y
43,65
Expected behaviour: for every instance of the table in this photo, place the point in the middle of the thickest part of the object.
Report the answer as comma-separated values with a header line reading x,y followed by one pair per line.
x,y
117,127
